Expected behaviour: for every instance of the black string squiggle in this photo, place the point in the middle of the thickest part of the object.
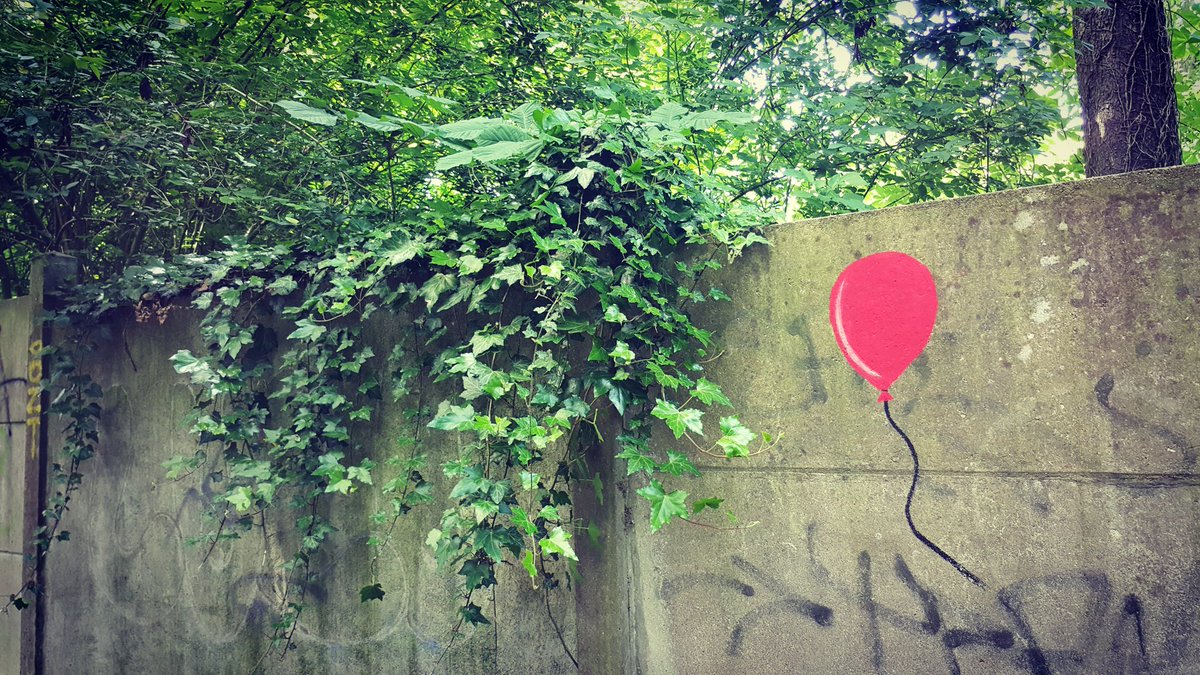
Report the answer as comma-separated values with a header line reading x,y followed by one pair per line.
x,y
908,505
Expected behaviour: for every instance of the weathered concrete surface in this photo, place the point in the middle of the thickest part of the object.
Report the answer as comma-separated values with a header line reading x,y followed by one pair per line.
x,y
14,352
1054,414
129,595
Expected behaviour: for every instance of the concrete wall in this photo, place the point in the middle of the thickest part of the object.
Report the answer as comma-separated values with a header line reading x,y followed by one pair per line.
x,y
128,594
1053,410
14,358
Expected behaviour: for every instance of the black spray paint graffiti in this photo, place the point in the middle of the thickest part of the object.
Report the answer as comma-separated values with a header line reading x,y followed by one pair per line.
x,y
1104,388
781,600
810,364
1110,633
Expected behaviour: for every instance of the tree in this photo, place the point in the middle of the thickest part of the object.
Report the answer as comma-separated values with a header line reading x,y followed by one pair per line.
x,y
133,129
1126,87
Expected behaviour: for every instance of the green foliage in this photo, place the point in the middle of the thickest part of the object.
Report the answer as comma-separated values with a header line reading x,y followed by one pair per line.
x,y
544,258
664,505
567,274
75,407
131,129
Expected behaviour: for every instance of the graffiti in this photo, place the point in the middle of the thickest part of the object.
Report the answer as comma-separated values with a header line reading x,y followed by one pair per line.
x,y
33,408
810,364
782,600
1104,388
1068,622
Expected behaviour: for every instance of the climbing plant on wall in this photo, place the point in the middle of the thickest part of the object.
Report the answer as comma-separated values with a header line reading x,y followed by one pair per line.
x,y
545,282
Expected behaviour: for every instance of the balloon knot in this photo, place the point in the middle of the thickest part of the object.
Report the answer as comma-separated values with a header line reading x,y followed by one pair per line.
x,y
884,396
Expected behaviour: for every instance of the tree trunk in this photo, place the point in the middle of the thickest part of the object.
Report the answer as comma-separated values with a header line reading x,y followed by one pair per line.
x,y
1127,87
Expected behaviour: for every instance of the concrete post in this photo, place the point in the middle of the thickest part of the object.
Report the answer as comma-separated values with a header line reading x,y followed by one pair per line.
x,y
47,276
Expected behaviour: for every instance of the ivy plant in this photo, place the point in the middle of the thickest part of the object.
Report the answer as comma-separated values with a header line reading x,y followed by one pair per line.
x,y
547,279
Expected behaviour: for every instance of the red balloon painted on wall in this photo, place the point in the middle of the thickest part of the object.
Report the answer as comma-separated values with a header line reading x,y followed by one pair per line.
x,y
882,309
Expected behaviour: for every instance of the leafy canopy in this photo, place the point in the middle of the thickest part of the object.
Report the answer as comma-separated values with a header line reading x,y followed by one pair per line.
x,y
535,188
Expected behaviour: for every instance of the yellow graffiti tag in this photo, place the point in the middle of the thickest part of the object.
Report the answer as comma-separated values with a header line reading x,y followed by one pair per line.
x,y
33,408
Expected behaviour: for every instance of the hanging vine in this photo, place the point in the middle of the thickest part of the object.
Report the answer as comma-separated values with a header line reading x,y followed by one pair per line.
x,y
548,276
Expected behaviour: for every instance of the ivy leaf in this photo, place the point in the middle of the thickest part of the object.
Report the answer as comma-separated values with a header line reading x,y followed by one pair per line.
x,y
622,354
477,573
558,541
372,592
432,539
469,264
307,329
187,363
678,463
662,378
203,301
330,465
255,470
511,274
432,289
549,513
241,498
521,520
282,286
554,211
544,397
469,484
343,486
481,342
585,175
402,253
663,506
452,417
473,614
678,421
496,385
576,407
442,259
613,314
361,474
488,540
708,393
633,452
619,397
527,563
710,503
735,438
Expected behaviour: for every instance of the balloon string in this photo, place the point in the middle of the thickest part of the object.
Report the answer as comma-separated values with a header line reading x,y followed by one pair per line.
x,y
908,505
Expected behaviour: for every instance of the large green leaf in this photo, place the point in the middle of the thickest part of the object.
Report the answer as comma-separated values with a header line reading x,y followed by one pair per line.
x,y
468,130
372,122
307,113
494,152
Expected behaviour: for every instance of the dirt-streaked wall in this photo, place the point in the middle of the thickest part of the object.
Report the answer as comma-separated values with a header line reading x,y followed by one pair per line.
x,y
1054,412
14,396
